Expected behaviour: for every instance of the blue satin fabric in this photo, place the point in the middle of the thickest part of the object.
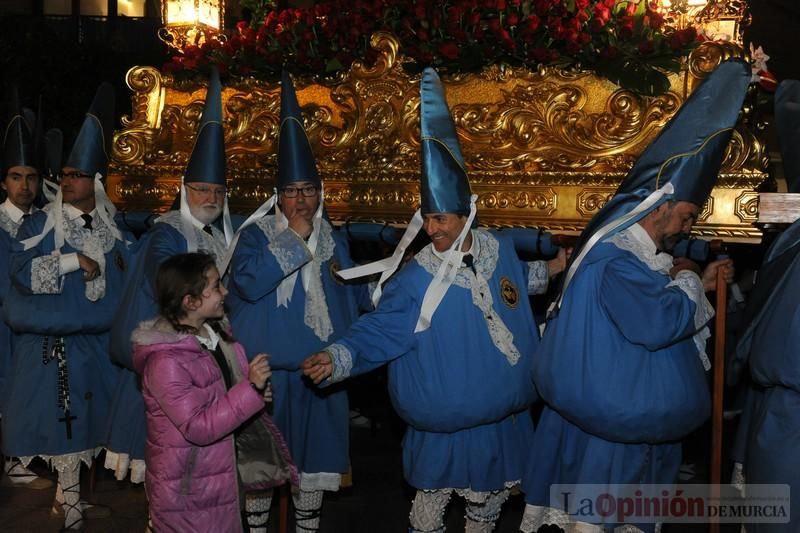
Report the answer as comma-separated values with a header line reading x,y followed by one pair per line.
x,y
17,143
445,187
687,153
93,144
295,158
207,162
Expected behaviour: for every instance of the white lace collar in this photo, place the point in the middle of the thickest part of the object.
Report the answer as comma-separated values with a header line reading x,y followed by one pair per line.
x,y
637,241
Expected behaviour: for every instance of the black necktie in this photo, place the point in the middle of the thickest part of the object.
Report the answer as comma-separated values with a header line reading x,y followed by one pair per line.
x,y
87,221
469,262
25,216
207,229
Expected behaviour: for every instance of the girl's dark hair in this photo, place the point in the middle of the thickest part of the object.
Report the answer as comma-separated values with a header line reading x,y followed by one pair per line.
x,y
178,276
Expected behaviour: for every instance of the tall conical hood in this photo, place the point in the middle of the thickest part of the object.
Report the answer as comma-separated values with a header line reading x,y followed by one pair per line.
x,y
295,158
18,149
681,164
445,187
207,162
787,124
688,152
91,150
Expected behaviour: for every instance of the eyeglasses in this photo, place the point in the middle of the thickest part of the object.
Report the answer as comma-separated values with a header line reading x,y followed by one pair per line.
x,y
205,191
308,191
74,175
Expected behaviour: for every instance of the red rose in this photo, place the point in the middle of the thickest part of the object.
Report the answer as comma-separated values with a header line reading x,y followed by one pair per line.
x,y
656,20
449,50
501,5
597,24
602,12
475,19
494,25
646,47
532,23
512,19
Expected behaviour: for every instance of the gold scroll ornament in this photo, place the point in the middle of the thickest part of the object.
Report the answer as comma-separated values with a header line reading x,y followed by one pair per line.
x,y
544,148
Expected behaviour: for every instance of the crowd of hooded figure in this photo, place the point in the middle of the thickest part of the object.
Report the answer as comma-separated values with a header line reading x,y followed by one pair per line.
x,y
208,362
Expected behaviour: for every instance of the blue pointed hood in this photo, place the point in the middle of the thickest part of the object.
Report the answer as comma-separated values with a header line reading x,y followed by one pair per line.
x,y
92,148
295,158
445,187
687,153
207,162
787,124
18,148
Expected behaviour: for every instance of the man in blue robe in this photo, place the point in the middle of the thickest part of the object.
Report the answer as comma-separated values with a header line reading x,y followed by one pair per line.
x,y
622,361
456,329
769,434
21,185
190,228
66,278
287,300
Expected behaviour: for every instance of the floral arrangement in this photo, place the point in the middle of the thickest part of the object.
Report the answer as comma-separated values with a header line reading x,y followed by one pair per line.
x,y
631,42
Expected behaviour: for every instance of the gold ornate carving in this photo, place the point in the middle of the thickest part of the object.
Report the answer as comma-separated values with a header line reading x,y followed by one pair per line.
x,y
746,206
543,148
592,200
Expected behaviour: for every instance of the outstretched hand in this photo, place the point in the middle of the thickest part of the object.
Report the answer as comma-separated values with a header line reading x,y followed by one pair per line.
x,y
318,367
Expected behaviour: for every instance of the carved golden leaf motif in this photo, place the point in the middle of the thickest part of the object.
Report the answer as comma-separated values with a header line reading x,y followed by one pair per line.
x,y
545,147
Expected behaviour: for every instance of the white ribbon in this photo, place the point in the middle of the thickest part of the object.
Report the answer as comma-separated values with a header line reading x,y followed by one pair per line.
x,y
55,217
446,274
646,204
389,265
257,214
49,189
286,287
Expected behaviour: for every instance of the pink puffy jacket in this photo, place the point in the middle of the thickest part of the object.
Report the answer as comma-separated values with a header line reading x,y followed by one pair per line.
x,y
191,461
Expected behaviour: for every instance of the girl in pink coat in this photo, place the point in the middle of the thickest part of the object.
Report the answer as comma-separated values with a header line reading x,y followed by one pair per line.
x,y
207,430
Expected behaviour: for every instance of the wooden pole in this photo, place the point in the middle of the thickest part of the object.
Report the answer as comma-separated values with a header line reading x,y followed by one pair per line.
x,y
718,391
283,513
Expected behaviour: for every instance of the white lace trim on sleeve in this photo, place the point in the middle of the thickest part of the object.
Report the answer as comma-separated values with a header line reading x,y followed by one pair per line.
x,y
538,277
690,283
46,275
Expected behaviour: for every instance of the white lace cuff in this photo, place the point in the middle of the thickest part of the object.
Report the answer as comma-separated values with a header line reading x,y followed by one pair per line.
x,y
538,277
45,275
692,285
342,361
69,263
290,251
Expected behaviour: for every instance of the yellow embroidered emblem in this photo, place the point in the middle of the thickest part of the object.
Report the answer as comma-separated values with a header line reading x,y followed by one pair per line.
x,y
509,293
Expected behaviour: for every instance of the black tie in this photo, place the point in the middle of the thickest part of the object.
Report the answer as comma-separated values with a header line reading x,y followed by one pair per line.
x,y
207,229
26,216
87,221
469,262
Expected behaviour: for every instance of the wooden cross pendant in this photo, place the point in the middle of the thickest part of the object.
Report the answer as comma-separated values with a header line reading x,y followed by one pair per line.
x,y
67,419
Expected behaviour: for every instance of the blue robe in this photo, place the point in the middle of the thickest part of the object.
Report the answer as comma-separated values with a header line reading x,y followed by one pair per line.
x,y
126,432
618,368
463,385
314,422
8,233
770,425
40,307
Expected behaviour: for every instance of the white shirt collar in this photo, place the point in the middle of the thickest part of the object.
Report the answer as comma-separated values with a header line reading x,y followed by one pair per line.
x,y
210,342
71,212
14,212
473,248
